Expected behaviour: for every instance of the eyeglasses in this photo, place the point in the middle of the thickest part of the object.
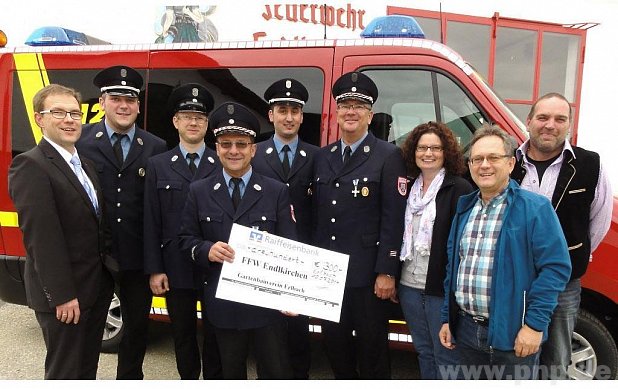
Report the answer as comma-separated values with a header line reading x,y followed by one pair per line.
x,y
353,107
226,144
60,114
189,118
491,158
434,149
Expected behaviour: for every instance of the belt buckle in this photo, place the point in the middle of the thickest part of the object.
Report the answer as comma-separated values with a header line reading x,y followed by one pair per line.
x,y
479,319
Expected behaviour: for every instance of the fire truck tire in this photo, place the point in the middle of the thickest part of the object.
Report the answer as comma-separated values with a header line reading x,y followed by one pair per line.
x,y
594,354
113,327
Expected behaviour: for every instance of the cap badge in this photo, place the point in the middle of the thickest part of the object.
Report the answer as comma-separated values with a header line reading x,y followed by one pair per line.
x,y
211,160
302,152
230,109
366,149
123,73
354,77
195,92
174,158
140,141
123,82
99,134
231,121
269,150
141,172
194,100
217,186
353,89
287,93
288,84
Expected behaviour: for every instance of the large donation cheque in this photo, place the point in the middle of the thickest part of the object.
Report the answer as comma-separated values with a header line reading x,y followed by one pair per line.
x,y
273,272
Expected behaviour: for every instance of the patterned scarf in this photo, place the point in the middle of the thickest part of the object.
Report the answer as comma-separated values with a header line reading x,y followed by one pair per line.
x,y
426,207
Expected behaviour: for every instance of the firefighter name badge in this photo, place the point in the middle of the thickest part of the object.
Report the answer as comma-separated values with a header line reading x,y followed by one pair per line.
x,y
402,185
141,172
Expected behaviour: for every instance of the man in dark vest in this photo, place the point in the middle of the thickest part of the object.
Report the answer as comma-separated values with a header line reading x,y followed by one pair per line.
x,y
579,189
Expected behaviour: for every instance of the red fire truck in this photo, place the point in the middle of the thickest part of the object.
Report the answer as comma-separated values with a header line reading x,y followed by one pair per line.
x,y
419,80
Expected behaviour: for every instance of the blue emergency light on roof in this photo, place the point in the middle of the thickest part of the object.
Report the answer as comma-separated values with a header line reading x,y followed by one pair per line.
x,y
393,26
56,36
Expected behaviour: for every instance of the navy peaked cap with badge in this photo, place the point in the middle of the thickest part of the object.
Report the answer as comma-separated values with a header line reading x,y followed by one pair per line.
x,y
234,118
357,86
119,81
191,97
286,91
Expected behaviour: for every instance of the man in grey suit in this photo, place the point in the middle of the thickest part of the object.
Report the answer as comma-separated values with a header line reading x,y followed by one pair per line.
x,y
58,201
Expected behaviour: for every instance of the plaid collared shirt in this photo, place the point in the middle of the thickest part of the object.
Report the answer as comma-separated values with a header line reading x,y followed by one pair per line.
x,y
476,253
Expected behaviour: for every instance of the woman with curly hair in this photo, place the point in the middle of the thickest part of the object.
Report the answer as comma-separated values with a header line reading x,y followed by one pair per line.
x,y
434,162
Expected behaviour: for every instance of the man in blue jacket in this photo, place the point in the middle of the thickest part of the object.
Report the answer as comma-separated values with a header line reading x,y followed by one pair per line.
x,y
508,261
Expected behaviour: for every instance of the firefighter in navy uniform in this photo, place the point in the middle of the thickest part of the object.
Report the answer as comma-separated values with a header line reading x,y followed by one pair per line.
x,y
288,159
167,187
359,203
237,194
120,150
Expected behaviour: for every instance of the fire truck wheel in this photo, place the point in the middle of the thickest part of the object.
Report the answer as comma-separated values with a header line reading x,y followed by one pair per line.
x,y
594,354
113,327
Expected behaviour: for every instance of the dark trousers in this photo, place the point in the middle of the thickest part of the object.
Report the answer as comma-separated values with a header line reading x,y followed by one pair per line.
x,y
211,360
299,346
365,314
73,349
269,347
181,306
135,301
